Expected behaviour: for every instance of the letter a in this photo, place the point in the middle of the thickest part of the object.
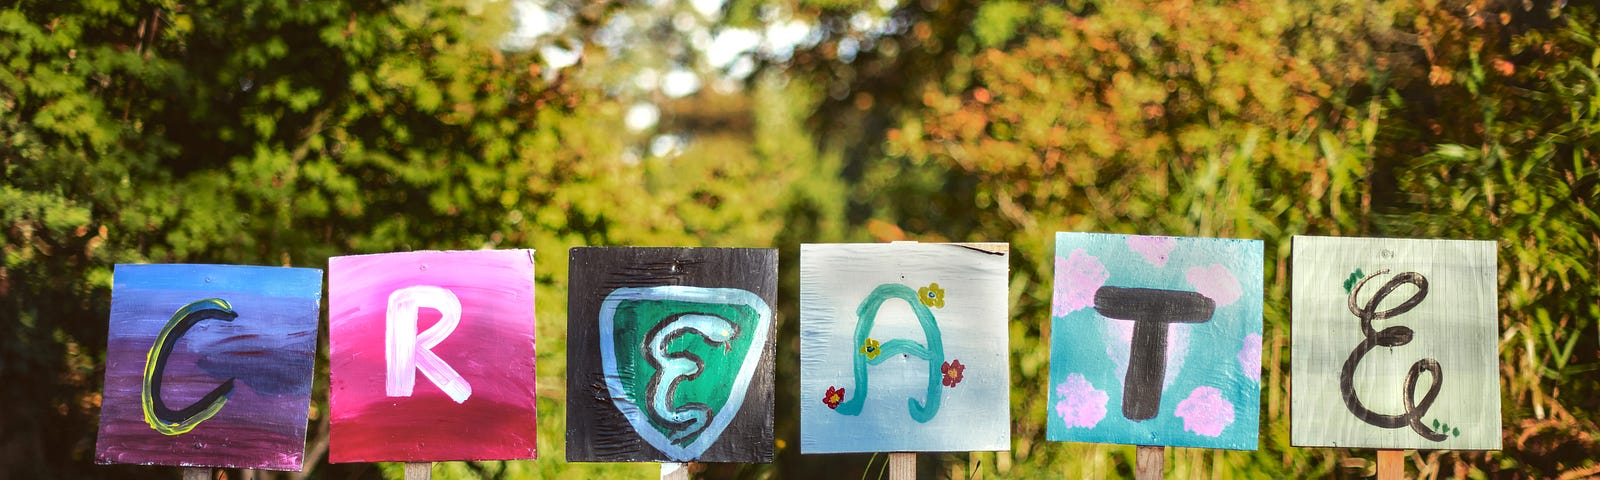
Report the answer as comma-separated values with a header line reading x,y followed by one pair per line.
x,y
405,350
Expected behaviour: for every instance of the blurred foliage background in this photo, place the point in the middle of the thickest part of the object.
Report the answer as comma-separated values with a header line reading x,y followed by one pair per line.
x,y
278,132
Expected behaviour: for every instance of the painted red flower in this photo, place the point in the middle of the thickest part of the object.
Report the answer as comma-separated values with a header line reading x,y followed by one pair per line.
x,y
834,397
953,372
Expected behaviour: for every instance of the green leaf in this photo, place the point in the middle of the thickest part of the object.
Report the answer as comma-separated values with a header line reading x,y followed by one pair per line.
x,y
1350,282
997,22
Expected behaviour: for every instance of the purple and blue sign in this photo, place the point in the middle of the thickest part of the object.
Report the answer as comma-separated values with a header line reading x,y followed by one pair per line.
x,y
209,365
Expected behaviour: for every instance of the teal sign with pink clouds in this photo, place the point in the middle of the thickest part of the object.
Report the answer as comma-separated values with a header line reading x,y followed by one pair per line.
x,y
1156,341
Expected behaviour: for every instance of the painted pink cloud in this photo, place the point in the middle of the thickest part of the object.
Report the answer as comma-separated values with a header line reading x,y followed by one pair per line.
x,y
1081,404
1215,282
1205,412
1153,249
1077,278
1250,357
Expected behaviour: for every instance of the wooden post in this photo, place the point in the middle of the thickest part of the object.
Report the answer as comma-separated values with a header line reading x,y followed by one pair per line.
x,y
1149,462
196,473
902,466
419,470
1391,464
674,471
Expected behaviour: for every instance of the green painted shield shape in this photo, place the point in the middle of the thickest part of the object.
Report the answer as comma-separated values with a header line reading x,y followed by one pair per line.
x,y
678,360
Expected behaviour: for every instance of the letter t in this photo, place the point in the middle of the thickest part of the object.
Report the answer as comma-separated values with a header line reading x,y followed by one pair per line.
x,y
1151,311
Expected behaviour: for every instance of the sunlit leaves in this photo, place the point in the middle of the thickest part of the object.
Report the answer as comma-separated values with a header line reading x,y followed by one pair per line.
x,y
1299,118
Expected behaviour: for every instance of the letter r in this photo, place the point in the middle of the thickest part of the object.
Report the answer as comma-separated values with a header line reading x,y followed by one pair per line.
x,y
406,351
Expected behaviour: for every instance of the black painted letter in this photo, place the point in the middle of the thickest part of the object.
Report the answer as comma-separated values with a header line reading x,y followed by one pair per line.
x,y
1391,337
1151,310
175,422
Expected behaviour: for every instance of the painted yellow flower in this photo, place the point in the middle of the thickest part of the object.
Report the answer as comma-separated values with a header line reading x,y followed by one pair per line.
x,y
871,349
931,295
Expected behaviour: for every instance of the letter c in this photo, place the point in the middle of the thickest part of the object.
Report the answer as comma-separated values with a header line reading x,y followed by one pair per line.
x,y
156,413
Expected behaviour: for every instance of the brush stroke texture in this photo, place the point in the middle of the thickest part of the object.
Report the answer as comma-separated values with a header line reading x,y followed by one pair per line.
x,y
492,348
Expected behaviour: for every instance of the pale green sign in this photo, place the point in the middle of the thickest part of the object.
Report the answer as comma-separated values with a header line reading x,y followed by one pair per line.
x,y
1394,344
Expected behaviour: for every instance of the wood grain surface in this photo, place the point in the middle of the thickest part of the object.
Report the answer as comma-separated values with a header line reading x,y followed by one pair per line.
x,y
598,430
1394,344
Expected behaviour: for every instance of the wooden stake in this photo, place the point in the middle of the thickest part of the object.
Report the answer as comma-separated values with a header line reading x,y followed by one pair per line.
x,y
1149,462
419,470
196,473
902,466
1391,464
674,471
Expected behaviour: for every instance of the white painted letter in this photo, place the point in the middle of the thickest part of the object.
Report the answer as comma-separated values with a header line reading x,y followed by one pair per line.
x,y
406,351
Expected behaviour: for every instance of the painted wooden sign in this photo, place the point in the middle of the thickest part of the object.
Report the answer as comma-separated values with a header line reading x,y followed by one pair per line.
x,y
669,354
1394,344
903,347
431,356
209,366
1156,341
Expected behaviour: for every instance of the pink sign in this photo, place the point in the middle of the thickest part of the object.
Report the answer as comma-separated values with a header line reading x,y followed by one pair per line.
x,y
431,356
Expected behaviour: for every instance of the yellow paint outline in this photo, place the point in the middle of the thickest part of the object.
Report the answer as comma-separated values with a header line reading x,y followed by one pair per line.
x,y
182,427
